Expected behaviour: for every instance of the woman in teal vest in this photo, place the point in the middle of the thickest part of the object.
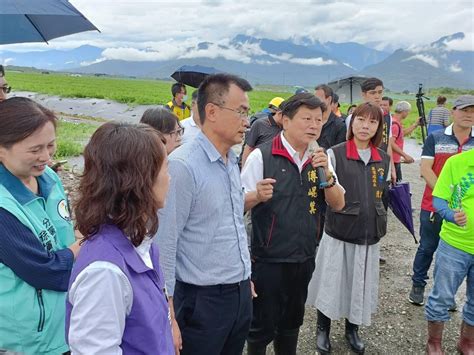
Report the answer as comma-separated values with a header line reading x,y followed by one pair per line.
x,y
37,247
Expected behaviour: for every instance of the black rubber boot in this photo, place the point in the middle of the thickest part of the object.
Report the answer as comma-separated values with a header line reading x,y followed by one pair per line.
x,y
256,348
286,341
352,337
323,344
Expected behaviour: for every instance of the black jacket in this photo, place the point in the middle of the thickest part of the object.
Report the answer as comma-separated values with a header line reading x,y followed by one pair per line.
x,y
363,220
285,228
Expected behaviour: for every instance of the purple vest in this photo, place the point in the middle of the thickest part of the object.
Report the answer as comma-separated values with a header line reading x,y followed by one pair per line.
x,y
147,327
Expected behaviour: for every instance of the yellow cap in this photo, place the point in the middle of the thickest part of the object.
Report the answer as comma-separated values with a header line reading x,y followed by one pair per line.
x,y
276,101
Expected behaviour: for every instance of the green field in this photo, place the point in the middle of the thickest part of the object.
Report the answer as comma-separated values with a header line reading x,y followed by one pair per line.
x,y
129,91
152,92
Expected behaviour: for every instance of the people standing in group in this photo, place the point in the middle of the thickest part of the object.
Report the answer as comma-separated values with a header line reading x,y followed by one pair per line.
x,y
4,87
37,244
402,110
282,188
264,126
438,118
116,301
438,147
453,199
347,262
167,124
202,235
178,104
192,124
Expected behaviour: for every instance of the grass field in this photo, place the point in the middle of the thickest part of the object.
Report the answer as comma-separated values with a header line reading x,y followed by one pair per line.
x,y
152,92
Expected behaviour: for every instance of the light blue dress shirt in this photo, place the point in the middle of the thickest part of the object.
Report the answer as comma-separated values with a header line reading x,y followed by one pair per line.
x,y
201,235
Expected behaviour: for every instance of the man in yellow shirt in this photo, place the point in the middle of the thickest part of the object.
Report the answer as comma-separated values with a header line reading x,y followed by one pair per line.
x,y
178,105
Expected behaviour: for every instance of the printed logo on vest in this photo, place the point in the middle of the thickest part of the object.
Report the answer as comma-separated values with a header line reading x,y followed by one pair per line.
x,y
63,210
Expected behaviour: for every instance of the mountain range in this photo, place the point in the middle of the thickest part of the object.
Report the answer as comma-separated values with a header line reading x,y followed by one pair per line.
x,y
303,62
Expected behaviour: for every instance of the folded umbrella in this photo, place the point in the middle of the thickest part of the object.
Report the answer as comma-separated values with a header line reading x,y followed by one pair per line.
x,y
193,75
400,204
37,21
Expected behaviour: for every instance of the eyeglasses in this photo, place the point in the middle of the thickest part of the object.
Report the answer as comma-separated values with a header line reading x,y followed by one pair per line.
x,y
179,132
242,113
6,89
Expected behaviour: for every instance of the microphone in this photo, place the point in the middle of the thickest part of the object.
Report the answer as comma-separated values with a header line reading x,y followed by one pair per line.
x,y
313,145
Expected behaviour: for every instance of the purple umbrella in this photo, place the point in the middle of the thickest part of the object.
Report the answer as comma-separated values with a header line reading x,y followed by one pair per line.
x,y
400,204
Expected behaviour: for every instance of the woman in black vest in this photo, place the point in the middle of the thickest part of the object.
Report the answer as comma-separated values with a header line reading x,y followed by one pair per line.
x,y
347,263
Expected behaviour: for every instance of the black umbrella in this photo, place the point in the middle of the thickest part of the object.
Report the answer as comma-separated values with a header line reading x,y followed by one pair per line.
x,y
193,75
39,20
348,87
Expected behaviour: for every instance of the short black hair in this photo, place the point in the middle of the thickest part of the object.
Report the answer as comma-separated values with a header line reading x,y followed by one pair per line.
x,y
328,92
371,84
292,105
389,99
214,88
176,88
2,71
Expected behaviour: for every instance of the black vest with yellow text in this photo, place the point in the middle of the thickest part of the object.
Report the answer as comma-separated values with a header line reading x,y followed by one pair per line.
x,y
285,228
363,220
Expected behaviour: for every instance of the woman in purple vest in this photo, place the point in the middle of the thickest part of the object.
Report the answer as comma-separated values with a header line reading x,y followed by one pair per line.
x,y
116,301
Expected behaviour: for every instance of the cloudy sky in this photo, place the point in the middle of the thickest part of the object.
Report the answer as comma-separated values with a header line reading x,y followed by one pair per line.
x,y
163,29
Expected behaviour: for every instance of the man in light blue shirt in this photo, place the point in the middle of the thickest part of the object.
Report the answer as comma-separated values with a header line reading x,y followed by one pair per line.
x,y
202,237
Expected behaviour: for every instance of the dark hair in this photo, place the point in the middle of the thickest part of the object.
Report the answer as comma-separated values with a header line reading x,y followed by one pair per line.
x,y
215,87
194,96
349,108
441,100
389,99
176,88
121,164
371,111
20,118
335,98
292,105
371,84
161,119
2,71
328,92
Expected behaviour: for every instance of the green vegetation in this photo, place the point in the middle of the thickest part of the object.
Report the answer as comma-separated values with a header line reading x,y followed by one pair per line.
x,y
155,92
71,138
129,91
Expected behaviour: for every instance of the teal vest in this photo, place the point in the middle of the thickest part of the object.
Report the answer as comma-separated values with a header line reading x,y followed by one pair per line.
x,y
33,321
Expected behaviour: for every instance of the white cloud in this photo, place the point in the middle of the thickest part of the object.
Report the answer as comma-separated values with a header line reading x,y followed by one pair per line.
x,y
455,68
266,62
464,44
312,61
8,61
424,58
85,63
130,23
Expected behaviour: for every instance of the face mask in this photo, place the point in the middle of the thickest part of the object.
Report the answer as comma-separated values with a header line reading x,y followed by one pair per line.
x,y
185,97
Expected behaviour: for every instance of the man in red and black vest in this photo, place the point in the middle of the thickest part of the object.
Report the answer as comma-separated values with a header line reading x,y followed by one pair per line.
x,y
282,187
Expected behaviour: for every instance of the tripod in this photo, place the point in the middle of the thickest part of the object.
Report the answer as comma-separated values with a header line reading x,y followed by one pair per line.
x,y
421,110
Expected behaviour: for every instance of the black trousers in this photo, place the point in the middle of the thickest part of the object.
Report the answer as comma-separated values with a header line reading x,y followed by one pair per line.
x,y
282,289
213,320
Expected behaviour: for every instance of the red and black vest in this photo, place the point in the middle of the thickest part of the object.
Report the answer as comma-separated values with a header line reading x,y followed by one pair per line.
x,y
285,228
363,220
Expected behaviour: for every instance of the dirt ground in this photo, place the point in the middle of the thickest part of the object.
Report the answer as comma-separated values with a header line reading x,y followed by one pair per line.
x,y
398,327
